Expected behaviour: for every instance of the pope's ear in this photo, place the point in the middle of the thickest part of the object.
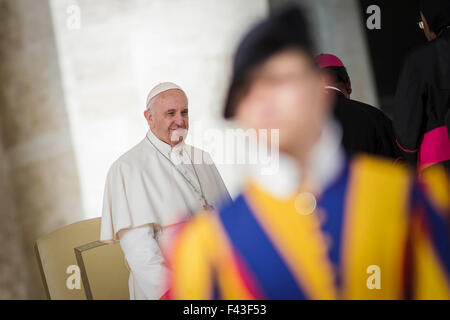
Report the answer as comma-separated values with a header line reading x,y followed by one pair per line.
x,y
148,115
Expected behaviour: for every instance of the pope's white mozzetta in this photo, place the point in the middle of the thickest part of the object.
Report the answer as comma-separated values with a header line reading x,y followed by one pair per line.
x,y
147,191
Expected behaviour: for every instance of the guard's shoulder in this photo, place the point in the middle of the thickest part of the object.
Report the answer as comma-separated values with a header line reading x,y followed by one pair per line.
x,y
199,227
191,256
381,167
435,182
197,236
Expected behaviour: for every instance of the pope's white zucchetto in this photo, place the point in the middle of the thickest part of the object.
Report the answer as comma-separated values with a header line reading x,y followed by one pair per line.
x,y
161,87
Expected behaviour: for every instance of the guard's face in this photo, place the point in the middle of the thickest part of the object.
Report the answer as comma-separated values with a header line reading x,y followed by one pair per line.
x,y
169,119
286,93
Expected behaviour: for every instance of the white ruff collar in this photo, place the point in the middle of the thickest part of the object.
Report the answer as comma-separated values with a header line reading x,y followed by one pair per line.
x,y
325,162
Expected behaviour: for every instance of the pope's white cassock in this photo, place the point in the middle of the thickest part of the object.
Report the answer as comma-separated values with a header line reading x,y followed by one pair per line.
x,y
146,193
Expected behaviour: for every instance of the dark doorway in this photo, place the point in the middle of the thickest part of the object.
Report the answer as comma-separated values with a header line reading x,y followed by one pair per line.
x,y
388,46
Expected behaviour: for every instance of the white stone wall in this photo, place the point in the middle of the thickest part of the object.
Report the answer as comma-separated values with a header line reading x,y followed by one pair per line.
x,y
124,47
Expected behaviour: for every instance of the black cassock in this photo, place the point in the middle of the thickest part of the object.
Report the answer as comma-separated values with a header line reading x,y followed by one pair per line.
x,y
365,128
422,103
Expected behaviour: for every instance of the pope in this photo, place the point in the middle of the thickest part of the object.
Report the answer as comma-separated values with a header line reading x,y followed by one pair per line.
x,y
157,184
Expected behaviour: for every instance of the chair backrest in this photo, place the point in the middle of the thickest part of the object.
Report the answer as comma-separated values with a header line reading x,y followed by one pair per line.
x,y
75,265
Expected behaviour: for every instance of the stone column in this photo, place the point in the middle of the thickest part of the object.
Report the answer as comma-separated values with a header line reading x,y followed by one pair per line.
x,y
36,136
13,271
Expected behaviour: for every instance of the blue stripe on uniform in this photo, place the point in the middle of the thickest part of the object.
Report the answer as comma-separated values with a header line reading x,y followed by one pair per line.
x,y
332,202
258,253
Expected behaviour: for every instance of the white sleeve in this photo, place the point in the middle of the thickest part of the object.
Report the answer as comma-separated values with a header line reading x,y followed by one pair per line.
x,y
145,260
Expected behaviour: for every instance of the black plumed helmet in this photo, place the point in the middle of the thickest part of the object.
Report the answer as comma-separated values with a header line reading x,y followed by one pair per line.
x,y
284,28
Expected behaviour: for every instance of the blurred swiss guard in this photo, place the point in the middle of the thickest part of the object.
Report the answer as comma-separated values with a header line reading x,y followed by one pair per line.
x,y
154,186
323,226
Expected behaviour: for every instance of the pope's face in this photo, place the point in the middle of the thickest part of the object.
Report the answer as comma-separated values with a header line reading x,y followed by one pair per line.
x,y
286,93
168,118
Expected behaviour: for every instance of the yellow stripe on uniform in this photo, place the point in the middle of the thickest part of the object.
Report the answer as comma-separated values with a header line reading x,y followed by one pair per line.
x,y
298,240
429,278
230,279
191,261
437,188
375,229
201,253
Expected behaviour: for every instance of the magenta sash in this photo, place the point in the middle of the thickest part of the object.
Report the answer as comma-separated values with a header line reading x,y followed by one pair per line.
x,y
435,147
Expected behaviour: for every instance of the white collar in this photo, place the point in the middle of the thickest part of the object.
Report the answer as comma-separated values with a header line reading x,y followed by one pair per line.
x,y
325,162
334,88
164,147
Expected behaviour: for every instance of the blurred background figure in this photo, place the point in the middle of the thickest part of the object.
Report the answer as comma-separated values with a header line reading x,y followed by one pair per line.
x,y
322,226
422,101
365,129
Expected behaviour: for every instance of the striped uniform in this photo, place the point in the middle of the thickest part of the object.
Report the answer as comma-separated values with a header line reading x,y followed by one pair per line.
x,y
376,233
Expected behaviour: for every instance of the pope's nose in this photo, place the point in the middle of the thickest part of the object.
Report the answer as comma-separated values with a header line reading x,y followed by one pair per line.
x,y
179,121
